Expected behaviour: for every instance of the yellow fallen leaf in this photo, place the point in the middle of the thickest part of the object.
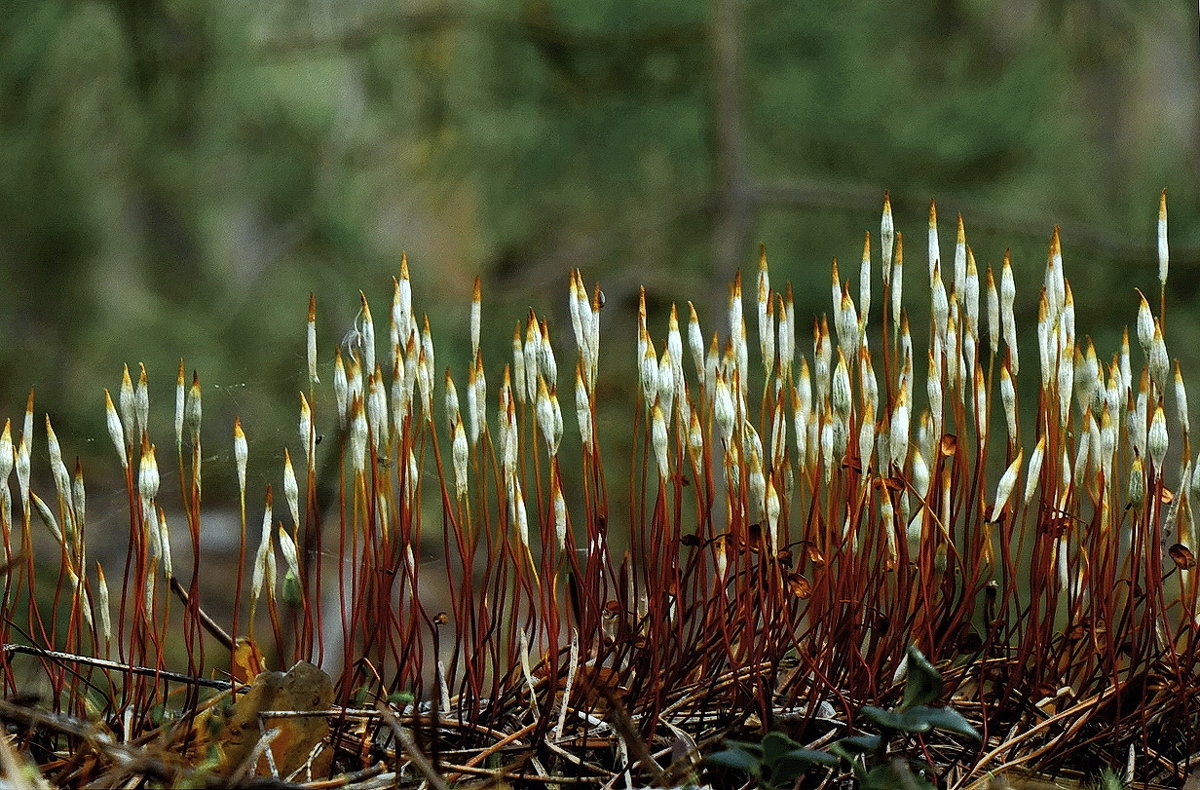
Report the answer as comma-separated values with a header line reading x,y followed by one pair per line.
x,y
235,729
247,661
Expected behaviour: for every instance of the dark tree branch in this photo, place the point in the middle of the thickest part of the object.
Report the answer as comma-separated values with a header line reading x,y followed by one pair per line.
x,y
736,209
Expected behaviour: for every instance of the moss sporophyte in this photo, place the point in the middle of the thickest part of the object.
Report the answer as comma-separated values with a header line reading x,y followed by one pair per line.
x,y
466,561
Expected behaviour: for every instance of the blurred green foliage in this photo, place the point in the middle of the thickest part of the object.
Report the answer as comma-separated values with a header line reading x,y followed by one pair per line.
x,y
176,176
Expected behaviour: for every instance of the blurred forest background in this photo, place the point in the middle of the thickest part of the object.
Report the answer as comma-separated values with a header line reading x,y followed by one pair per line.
x,y
176,176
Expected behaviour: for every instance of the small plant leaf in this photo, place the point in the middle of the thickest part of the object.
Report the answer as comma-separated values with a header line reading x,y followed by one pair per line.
x,y
856,744
921,718
814,757
791,766
924,682
774,746
247,663
946,719
903,721
894,775
738,758
754,748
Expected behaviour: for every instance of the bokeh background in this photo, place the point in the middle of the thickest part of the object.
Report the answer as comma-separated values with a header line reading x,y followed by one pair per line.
x,y
176,176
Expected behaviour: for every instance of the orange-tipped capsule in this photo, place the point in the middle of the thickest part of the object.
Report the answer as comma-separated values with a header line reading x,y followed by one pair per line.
x,y
460,457
1157,440
898,429
425,384
597,306
1123,361
800,417
935,254
164,542
480,414
287,547
659,440
940,305
402,310
58,470
6,449
735,304
896,284
1008,295
1005,486
970,296
675,340
115,430
822,357
358,435
518,366
835,293
864,279
696,341
1137,482
521,519
666,382
1035,469
311,340
452,409
264,560
649,372
142,401
583,411
125,400
1047,339
341,386
241,453
547,365
960,257
148,477
476,313
773,510
787,330
1159,362
1163,252
993,312
1055,280
642,325
193,409
545,415
377,411
307,436
560,511
887,236
1008,397
839,396
866,436
180,403
102,601
1066,380
764,307
981,405
78,495
291,489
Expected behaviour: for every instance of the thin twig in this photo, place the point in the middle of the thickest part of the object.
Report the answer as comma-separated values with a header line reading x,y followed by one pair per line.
x,y
117,666
414,754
